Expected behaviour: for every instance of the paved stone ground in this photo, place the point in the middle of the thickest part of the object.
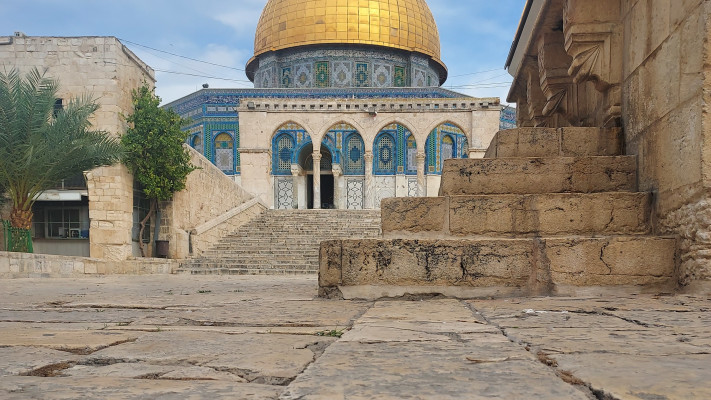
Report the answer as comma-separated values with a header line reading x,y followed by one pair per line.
x,y
186,337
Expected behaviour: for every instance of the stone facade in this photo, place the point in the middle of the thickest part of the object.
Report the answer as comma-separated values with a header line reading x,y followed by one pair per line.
x,y
639,65
478,120
104,68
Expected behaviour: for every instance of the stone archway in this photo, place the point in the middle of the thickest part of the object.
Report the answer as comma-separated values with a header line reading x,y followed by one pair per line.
x,y
319,184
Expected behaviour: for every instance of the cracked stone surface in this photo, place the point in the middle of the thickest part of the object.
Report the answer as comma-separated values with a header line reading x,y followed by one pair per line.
x,y
257,337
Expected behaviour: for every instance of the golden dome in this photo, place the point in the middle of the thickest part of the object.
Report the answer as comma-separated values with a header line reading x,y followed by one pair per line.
x,y
401,24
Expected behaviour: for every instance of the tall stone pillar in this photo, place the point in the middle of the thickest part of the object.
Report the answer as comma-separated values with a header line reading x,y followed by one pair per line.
x,y
421,174
317,179
295,173
337,184
368,195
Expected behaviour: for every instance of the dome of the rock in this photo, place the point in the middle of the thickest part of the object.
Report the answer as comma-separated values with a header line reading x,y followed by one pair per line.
x,y
298,29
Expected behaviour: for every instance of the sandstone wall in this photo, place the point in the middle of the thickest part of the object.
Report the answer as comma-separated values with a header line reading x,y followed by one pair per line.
x,y
108,71
666,83
211,206
24,265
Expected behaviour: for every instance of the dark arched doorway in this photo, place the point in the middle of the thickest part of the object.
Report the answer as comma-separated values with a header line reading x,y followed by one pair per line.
x,y
327,181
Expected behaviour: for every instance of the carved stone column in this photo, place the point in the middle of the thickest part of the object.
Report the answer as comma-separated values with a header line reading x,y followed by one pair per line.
x,y
295,173
421,174
317,179
337,186
593,38
368,195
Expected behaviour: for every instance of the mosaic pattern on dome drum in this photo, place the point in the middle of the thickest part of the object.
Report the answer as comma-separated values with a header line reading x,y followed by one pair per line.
x,y
405,24
322,68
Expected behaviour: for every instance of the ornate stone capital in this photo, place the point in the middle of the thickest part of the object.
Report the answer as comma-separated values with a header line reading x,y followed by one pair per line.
x,y
593,38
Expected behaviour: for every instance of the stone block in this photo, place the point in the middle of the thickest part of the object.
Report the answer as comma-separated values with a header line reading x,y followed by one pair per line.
x,y
535,265
584,142
418,214
550,214
548,142
611,261
435,262
330,257
539,175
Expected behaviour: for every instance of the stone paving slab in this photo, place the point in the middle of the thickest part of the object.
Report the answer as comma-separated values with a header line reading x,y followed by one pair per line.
x,y
21,388
270,337
633,377
430,370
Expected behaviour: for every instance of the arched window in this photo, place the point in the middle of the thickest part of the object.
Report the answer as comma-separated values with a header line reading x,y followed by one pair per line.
x,y
225,153
197,144
385,153
353,163
411,156
447,149
282,154
465,148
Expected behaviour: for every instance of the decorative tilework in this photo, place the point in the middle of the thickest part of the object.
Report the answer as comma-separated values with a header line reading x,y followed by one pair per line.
x,y
342,75
286,79
384,155
411,160
362,77
354,193
303,77
321,74
399,77
382,75
225,153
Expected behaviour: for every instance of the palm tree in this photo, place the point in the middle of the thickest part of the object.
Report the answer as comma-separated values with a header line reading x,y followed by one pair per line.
x,y
40,145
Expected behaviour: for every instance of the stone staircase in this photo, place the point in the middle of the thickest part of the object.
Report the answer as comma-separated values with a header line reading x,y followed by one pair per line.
x,y
282,242
547,211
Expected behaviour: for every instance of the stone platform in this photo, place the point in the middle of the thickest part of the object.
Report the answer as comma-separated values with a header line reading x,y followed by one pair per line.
x,y
550,212
255,337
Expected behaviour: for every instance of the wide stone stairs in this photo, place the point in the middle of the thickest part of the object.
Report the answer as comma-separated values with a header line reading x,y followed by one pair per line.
x,y
547,211
282,242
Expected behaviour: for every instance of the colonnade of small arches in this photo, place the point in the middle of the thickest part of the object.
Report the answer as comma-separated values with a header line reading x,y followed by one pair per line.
x,y
369,166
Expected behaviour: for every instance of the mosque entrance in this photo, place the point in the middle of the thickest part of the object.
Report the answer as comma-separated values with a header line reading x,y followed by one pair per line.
x,y
327,182
327,190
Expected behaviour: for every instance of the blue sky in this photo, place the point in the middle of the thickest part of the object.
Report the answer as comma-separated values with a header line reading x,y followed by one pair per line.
x,y
475,35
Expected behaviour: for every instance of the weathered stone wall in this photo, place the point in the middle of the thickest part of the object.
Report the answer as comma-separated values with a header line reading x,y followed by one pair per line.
x,y
665,91
24,265
108,71
203,208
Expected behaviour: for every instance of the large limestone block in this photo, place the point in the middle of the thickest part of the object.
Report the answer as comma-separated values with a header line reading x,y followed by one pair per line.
x,y
538,175
550,214
612,261
537,265
548,142
547,214
432,262
414,215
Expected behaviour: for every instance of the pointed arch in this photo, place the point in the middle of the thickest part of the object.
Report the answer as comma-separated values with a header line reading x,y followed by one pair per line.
x,y
287,141
446,140
224,152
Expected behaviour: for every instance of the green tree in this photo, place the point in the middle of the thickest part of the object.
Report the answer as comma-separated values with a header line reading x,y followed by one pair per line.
x,y
154,151
40,144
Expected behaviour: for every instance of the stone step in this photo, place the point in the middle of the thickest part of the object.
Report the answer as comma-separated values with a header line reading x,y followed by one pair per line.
x,y
283,240
536,265
549,214
539,175
244,271
563,142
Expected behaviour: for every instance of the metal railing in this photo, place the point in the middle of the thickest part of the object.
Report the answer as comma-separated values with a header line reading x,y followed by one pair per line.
x,y
17,239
